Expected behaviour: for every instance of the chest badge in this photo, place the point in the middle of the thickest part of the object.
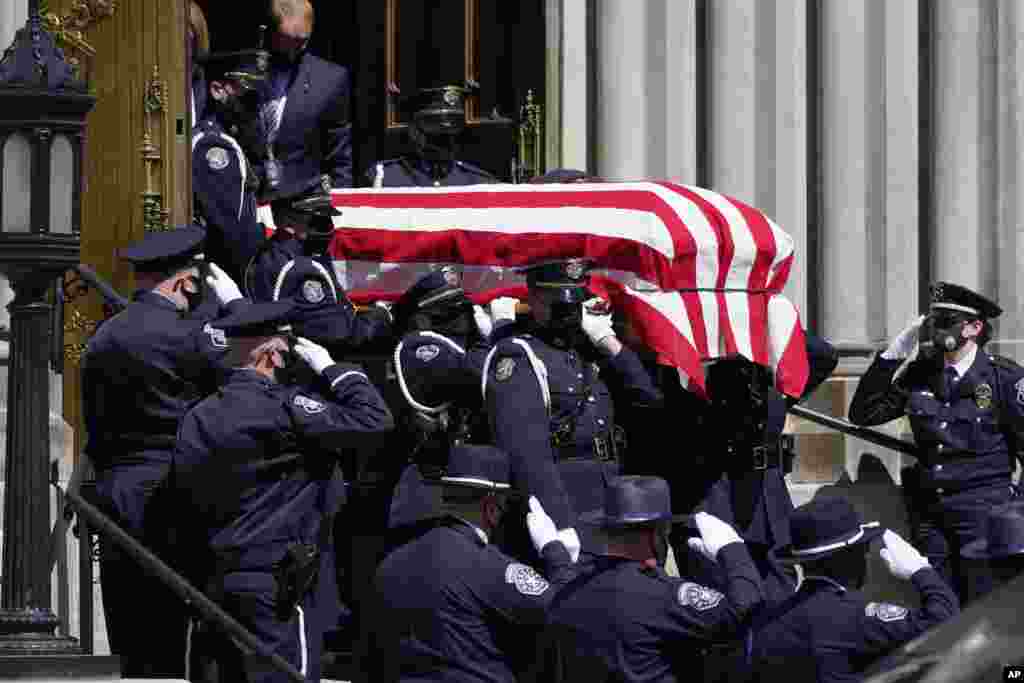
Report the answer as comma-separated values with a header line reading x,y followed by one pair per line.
x,y
983,396
504,369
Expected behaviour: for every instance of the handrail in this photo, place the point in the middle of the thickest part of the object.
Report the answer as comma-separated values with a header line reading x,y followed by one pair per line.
x,y
182,588
866,433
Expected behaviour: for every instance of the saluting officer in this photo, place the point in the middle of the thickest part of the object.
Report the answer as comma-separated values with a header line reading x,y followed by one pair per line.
x,y
623,618
548,393
295,264
439,367
256,466
449,605
226,146
438,118
966,409
140,372
829,631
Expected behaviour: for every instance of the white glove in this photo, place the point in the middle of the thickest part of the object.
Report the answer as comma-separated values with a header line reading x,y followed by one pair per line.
x,y
571,540
903,345
541,526
597,326
224,288
503,310
386,307
714,535
902,559
483,321
315,355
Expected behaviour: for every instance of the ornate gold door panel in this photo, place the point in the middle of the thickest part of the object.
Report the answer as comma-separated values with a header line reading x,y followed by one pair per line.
x,y
136,161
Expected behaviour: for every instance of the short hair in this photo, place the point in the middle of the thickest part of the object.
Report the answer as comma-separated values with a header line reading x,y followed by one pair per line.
x,y
200,30
279,10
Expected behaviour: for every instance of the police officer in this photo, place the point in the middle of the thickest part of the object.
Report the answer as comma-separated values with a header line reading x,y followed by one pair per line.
x,y
966,409
449,605
1003,544
256,468
439,367
746,414
226,145
623,618
548,394
295,264
829,631
141,370
438,118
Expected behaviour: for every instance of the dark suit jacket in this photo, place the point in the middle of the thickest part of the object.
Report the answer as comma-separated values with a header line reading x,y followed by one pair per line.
x,y
316,133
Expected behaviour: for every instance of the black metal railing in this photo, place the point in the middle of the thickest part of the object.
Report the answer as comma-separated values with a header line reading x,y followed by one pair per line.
x,y
90,516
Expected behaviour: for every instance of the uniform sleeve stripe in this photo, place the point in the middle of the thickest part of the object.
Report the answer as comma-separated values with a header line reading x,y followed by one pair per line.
x,y
347,374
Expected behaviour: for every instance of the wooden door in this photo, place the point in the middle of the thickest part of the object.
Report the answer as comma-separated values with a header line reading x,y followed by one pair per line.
x,y
136,163
420,44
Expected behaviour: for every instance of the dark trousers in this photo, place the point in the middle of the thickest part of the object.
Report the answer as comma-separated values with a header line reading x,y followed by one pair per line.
x,y
146,622
250,598
942,524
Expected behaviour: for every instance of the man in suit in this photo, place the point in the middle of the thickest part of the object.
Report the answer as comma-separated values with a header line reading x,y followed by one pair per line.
x,y
305,106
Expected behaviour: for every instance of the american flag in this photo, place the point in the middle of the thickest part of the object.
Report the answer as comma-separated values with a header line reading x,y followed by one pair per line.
x,y
699,274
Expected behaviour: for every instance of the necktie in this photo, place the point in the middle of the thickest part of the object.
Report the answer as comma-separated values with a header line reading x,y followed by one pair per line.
x,y
949,381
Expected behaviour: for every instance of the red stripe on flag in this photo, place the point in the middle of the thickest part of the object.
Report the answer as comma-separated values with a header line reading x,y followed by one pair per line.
x,y
766,250
793,368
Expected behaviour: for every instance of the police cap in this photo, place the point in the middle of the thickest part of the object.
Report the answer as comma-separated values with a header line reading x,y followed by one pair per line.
x,y
825,526
568,278
484,468
436,288
439,111
166,251
248,67
951,297
258,320
632,500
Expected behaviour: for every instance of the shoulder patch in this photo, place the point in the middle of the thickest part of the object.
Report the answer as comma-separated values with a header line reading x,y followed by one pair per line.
x,y
1019,386
527,581
504,369
884,611
217,158
428,352
217,336
700,598
311,406
313,291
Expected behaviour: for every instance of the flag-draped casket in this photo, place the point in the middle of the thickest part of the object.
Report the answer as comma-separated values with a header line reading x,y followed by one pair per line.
x,y
699,274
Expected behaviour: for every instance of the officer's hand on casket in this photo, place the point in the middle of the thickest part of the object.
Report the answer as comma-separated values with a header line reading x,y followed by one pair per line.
x,y
714,535
903,345
902,559
224,288
316,356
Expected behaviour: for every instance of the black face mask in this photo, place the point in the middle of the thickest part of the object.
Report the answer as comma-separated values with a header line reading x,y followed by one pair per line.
x,y
942,333
436,148
661,539
241,118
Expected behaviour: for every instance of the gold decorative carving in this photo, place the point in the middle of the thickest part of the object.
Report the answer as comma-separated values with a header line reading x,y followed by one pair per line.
x,y
68,30
154,215
78,324
531,140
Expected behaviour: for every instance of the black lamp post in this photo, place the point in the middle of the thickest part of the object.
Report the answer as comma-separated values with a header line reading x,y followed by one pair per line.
x,y
42,122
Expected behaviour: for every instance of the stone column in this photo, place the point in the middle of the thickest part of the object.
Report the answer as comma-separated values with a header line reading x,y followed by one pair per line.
x,y
1010,132
623,135
678,80
13,15
575,78
965,148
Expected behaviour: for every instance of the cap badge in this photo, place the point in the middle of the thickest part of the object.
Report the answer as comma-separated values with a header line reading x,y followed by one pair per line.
x,y
313,291
574,269
451,97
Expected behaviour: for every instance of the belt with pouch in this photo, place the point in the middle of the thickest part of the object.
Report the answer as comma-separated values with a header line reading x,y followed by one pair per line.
x,y
608,446
769,455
